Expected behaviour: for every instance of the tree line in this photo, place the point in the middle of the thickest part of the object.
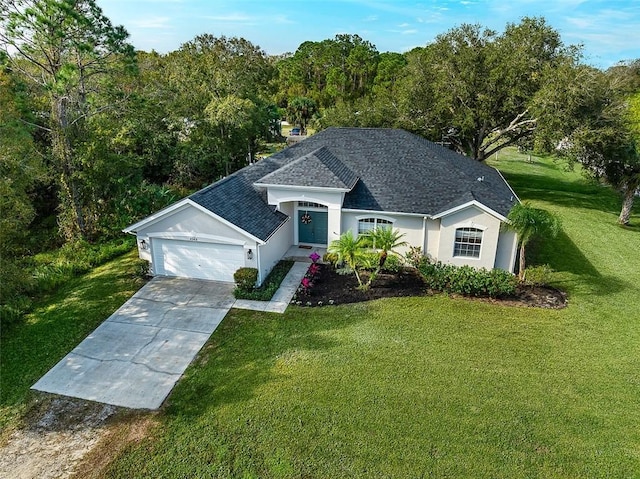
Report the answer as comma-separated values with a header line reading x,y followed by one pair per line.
x,y
95,135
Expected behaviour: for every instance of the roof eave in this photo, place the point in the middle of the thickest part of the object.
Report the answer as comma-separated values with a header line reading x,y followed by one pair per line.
x,y
157,216
300,187
463,206
150,220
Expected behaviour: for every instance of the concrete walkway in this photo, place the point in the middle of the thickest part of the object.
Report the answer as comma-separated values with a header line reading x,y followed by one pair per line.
x,y
282,297
135,357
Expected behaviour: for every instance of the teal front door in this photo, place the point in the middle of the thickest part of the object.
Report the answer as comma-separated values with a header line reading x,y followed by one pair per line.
x,y
312,227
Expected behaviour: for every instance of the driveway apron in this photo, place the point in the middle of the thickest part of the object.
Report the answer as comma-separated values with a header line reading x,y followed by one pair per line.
x,y
136,356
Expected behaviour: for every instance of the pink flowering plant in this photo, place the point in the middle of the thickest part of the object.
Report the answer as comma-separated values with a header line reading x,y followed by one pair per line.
x,y
310,276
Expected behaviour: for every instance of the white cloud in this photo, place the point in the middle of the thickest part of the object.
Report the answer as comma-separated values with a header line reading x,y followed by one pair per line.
x,y
282,19
581,22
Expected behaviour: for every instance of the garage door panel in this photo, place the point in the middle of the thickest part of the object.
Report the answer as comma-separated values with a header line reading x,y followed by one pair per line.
x,y
190,259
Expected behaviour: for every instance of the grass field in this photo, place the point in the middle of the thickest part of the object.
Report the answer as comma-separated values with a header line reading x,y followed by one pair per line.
x,y
428,387
55,327
398,388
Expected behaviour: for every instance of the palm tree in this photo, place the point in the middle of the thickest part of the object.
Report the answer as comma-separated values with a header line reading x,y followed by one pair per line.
x,y
385,240
350,251
529,222
300,111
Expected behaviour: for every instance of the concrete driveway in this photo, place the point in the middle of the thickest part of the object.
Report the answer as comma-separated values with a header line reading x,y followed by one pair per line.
x,y
137,355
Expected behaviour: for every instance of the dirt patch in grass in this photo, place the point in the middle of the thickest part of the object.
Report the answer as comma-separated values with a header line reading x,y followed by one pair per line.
x,y
56,434
333,288
129,428
65,437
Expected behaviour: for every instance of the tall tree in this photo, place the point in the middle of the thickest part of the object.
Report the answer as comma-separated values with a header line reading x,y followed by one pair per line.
x,y
300,110
595,122
473,88
339,69
20,169
65,47
205,78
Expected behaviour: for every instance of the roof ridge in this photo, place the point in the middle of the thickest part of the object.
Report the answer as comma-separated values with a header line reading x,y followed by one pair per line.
x,y
344,173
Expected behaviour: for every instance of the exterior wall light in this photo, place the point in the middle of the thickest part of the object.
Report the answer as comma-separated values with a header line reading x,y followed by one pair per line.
x,y
144,245
249,253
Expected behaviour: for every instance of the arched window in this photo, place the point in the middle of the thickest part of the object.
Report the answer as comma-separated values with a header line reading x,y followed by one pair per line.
x,y
468,242
366,225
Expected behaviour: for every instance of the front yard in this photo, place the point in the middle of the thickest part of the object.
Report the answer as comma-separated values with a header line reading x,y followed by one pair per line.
x,y
403,387
427,386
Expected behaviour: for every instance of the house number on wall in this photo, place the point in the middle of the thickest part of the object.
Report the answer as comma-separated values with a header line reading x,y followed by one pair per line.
x,y
193,238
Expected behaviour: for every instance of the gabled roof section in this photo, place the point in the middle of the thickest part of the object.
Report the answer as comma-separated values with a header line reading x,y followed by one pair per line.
x,y
317,169
234,199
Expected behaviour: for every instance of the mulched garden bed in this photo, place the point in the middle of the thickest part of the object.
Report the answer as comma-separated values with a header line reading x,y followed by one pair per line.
x,y
332,288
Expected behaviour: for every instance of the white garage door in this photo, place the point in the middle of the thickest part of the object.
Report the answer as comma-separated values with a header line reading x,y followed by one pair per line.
x,y
192,259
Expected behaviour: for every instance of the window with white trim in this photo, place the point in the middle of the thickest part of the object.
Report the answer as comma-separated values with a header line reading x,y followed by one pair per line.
x,y
367,225
468,242
310,204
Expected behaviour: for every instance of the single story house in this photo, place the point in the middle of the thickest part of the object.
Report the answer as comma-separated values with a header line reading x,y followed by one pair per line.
x,y
340,179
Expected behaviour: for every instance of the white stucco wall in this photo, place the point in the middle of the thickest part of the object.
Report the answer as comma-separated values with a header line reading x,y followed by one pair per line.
x,y
471,217
507,250
190,223
277,196
432,240
274,249
289,197
190,219
410,226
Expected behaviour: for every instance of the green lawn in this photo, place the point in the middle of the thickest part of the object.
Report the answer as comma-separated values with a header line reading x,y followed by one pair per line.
x,y
55,327
428,387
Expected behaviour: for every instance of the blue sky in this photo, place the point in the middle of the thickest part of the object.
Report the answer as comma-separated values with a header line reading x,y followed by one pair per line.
x,y
608,29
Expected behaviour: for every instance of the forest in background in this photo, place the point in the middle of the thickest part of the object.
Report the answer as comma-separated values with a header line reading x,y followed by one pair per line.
x,y
95,135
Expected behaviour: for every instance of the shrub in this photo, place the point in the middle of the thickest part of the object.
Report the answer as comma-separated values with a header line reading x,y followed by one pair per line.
x,y
143,268
414,256
369,261
538,275
53,269
246,279
393,264
270,285
47,271
467,280
331,258
14,311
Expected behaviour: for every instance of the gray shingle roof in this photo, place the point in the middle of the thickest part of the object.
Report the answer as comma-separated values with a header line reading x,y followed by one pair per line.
x,y
384,169
236,200
320,169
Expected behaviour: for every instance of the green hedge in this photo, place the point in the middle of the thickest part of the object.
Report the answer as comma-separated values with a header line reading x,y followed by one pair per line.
x,y
270,285
246,279
467,280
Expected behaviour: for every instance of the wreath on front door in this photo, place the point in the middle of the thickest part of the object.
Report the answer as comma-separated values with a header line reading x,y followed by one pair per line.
x,y
306,218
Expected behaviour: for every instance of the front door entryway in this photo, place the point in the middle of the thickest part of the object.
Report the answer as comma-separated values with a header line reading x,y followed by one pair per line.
x,y
312,227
